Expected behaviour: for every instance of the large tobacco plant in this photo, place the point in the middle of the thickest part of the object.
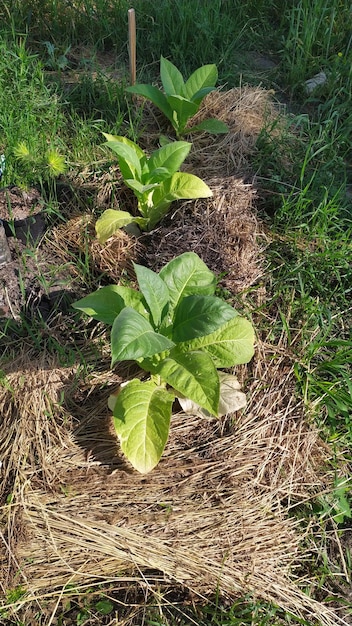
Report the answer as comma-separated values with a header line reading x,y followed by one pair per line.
x,y
179,332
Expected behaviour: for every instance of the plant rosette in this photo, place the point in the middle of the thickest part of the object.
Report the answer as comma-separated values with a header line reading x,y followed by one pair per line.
x,y
181,100
155,181
179,332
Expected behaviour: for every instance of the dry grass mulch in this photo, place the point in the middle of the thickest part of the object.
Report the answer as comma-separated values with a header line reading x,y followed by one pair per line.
x,y
214,516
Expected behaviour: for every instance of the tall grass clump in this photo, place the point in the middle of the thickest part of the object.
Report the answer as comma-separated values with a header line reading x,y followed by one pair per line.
x,y
218,30
30,117
311,261
314,33
41,119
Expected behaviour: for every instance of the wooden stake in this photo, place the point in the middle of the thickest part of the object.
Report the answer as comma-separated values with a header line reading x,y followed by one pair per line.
x,y
132,44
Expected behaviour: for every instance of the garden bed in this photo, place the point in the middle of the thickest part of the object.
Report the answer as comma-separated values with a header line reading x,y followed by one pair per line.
x,y
213,517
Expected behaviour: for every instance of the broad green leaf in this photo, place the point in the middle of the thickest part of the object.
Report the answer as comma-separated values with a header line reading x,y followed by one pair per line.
x,y
133,337
194,375
185,109
197,316
129,159
217,127
128,142
187,275
138,187
230,345
154,291
106,303
181,186
171,77
159,174
155,96
205,76
111,220
185,186
200,95
170,156
231,398
142,416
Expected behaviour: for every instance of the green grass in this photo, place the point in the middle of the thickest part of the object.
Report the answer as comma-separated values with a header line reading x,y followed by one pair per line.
x,y
302,169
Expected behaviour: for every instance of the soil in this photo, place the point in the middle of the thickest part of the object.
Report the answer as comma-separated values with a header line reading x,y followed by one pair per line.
x,y
30,282
19,204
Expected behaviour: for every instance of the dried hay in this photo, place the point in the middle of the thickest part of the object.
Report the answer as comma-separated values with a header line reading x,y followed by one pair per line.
x,y
223,230
29,432
245,110
212,516
114,258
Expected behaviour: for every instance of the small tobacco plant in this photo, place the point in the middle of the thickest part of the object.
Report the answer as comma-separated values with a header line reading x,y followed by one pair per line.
x,y
179,332
155,181
181,99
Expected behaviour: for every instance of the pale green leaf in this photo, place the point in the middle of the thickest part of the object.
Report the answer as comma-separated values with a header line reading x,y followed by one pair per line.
x,y
187,275
133,337
129,157
194,375
205,76
184,186
170,156
171,77
110,221
106,303
197,316
159,174
181,186
231,398
138,187
154,291
155,96
128,142
185,109
142,416
230,345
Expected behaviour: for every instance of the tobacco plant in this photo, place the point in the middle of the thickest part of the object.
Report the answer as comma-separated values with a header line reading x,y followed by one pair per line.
x,y
179,332
181,99
155,181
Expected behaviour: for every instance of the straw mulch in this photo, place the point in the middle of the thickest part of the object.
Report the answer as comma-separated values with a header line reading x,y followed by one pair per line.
x,y
77,237
245,110
223,230
213,517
